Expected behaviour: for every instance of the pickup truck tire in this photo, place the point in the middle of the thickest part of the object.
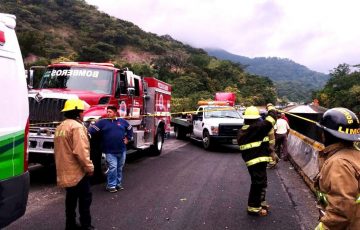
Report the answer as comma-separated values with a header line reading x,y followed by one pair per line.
x,y
156,149
207,144
179,133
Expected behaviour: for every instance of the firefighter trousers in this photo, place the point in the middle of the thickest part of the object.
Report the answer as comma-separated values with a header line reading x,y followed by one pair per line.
x,y
258,186
78,194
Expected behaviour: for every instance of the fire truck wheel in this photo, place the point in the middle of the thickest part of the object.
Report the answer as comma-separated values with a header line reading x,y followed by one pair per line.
x,y
206,140
158,144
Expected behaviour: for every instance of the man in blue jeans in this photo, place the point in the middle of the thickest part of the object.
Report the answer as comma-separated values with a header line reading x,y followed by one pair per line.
x,y
115,133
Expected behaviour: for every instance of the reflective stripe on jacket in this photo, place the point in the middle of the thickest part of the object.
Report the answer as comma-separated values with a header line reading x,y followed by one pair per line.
x,y
254,144
254,140
320,226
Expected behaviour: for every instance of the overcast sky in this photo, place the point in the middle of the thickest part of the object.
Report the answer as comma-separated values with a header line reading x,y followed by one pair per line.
x,y
319,34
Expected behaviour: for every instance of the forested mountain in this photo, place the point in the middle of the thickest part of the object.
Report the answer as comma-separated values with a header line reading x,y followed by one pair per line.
x,y
60,30
286,74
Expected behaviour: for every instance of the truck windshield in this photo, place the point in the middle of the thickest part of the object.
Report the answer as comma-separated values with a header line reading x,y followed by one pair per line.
x,y
75,78
221,112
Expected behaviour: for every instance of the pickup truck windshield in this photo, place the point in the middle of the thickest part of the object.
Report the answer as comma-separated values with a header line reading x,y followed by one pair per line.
x,y
75,78
221,112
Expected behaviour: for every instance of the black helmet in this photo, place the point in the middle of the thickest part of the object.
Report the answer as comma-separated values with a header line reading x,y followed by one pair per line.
x,y
341,123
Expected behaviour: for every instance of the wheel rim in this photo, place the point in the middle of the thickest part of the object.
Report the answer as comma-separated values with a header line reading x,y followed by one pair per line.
x,y
176,131
159,141
206,140
104,166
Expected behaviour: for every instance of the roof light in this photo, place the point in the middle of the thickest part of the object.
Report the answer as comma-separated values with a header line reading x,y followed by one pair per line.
x,y
89,63
2,38
213,103
102,64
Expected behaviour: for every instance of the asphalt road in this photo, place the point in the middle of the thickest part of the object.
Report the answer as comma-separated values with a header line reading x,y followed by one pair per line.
x,y
184,188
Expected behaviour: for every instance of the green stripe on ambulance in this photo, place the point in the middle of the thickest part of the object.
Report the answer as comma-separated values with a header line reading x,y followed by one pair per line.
x,y
11,155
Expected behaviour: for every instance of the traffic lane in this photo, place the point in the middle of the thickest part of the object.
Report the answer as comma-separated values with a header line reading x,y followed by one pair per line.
x,y
194,189
186,188
297,192
45,196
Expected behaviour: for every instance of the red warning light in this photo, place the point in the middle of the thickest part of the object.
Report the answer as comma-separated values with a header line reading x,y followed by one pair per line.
x,y
2,38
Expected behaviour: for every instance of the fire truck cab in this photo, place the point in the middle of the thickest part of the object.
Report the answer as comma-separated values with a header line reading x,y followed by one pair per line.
x,y
143,101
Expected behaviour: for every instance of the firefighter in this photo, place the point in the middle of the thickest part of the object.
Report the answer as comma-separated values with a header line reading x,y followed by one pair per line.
x,y
253,141
274,158
338,181
73,164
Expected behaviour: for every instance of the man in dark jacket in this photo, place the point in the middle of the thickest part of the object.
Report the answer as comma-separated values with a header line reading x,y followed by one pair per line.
x,y
115,133
253,139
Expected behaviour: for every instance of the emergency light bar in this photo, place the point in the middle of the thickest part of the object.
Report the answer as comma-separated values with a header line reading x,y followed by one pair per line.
x,y
2,38
213,103
89,63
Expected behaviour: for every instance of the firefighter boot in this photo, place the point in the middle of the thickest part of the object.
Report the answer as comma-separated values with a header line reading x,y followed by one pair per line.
x,y
259,212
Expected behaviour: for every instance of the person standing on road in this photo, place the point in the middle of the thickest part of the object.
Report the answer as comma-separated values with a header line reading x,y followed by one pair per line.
x,y
253,142
115,134
73,164
282,129
283,116
338,181
274,158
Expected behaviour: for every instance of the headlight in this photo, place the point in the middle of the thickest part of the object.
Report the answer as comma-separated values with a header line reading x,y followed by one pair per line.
x,y
215,130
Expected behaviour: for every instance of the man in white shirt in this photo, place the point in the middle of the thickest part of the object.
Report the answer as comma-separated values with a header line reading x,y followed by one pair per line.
x,y
281,132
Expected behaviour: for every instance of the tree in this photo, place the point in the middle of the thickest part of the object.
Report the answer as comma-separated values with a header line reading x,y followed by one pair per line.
x,y
100,52
342,89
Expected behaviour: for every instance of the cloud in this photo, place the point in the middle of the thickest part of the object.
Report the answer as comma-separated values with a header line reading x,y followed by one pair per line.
x,y
318,34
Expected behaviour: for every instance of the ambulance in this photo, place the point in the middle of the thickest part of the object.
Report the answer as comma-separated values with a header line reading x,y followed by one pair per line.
x,y
14,125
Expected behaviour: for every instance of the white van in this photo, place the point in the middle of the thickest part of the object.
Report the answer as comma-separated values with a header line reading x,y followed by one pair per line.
x,y
14,125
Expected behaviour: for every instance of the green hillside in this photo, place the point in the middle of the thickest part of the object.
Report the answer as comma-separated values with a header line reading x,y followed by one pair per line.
x,y
286,74
342,89
58,30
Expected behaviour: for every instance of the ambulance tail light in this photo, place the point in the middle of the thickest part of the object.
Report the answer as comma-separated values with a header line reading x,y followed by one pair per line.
x,y
2,38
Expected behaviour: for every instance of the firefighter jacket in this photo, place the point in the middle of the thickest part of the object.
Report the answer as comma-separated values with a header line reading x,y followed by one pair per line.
x,y
254,140
72,153
339,183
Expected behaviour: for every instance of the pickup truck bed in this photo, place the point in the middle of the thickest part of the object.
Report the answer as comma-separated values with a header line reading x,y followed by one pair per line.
x,y
182,127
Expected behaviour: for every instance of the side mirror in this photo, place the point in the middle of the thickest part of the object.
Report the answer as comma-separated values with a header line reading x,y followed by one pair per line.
x,y
34,76
198,116
29,74
131,91
117,90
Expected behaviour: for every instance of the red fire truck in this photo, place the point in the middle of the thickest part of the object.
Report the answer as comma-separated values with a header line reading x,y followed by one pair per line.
x,y
228,97
144,102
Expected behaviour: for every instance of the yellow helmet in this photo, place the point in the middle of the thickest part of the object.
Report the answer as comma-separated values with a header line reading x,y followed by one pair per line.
x,y
270,106
73,104
251,112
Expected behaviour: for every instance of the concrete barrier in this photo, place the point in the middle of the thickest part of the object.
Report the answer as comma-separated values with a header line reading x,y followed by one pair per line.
x,y
303,153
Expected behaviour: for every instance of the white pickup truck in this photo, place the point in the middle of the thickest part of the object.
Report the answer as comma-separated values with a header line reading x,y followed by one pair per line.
x,y
211,124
